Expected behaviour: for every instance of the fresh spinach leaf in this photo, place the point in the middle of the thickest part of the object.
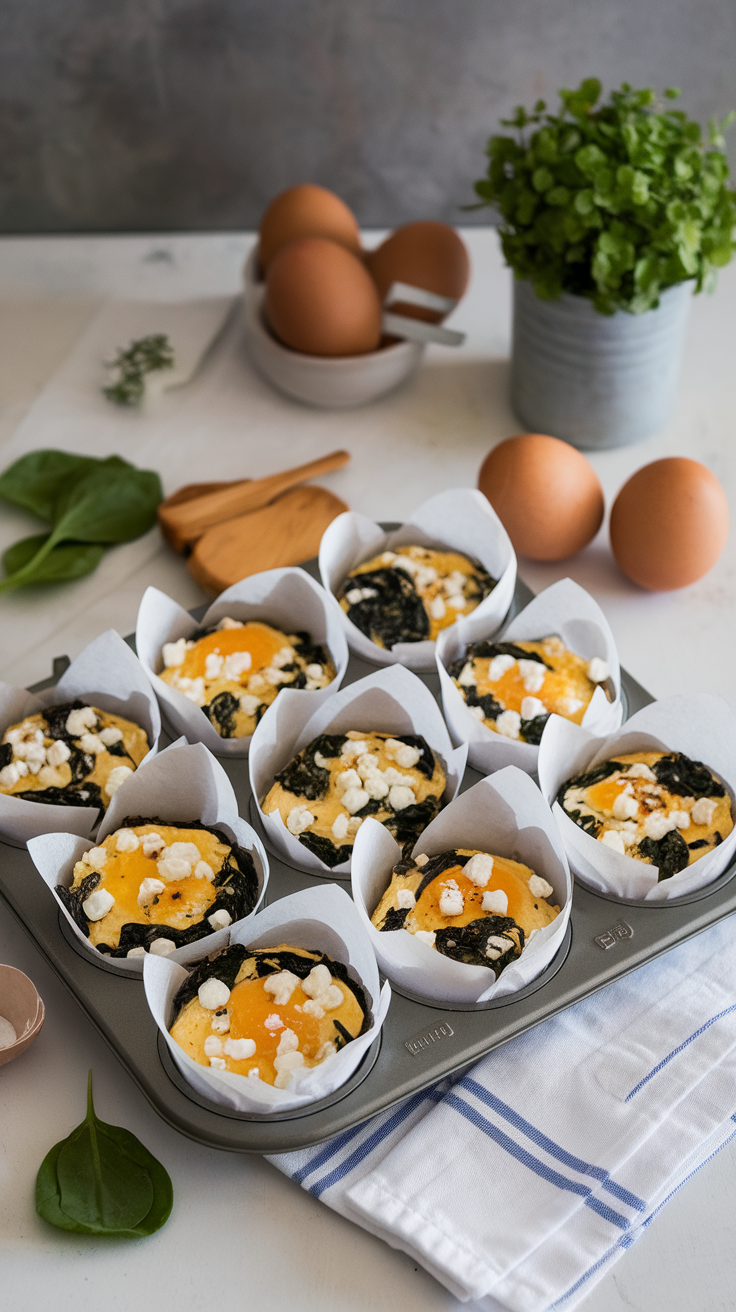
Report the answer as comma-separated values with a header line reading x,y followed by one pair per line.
x,y
70,560
38,480
102,1181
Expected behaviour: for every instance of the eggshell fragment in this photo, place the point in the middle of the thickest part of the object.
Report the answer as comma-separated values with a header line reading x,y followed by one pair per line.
x,y
426,254
306,211
669,524
546,494
320,300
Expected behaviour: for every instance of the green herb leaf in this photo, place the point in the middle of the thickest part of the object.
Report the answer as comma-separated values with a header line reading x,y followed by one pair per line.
x,y
38,480
101,1180
146,356
68,561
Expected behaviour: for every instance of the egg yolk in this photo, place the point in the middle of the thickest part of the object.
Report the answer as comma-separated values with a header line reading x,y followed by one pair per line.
x,y
261,642
249,1009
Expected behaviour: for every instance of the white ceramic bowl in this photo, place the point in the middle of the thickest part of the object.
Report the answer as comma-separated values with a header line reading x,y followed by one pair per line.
x,y
330,383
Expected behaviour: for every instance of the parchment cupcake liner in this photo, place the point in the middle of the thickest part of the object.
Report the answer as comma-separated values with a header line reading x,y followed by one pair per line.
x,y
459,520
565,610
703,727
504,815
288,599
182,783
322,919
106,674
389,701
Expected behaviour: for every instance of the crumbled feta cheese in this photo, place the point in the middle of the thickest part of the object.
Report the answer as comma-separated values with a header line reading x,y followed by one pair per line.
x,y
220,919
109,735
287,1043
254,1073
375,786
499,666
240,1049
174,653
280,986
184,852
227,622
117,778
467,676
531,707
421,860
356,595
22,768
400,796
479,869
31,751
497,945
569,705
457,601
59,752
212,1046
613,839
126,841
426,936
203,870
249,704
437,608
393,776
317,981
680,818
236,664
273,1022
539,887
136,952
9,775
477,712
657,824
328,1049
353,747
388,557
312,1008
321,761
257,683
193,690
220,1023
354,824
508,723
77,721
219,1063
173,868
213,994
625,806
151,844
286,1065
149,889
405,899
96,857
403,754
598,670
213,663
162,947
452,902
340,827
347,779
272,676
299,819
703,811
98,904
314,671
533,675
495,901
354,799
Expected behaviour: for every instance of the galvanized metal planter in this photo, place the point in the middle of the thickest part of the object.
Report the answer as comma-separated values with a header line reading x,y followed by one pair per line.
x,y
596,380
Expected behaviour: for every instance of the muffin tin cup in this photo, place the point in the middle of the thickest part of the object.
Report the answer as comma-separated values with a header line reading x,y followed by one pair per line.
x,y
183,783
106,674
389,701
287,599
565,610
21,1006
505,815
701,726
322,919
459,520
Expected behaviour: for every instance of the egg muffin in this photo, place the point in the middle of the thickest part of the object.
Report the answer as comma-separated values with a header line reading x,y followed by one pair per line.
x,y
152,887
657,807
514,687
268,1013
468,905
234,670
324,794
410,594
70,755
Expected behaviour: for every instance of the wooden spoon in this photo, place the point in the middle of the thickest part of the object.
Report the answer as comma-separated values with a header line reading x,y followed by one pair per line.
x,y
285,532
184,519
189,492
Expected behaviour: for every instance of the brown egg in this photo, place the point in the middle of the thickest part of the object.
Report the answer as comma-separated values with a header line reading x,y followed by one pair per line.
x,y
306,211
669,524
320,300
546,494
428,255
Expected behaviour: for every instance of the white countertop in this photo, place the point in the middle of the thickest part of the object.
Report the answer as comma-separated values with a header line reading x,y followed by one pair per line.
x,y
240,1231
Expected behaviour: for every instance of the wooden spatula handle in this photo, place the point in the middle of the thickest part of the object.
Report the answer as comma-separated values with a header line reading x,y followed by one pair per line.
x,y
187,520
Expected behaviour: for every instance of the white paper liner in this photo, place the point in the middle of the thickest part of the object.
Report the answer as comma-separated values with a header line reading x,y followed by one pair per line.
x,y
182,783
459,520
323,919
564,609
703,727
505,815
389,701
106,674
286,598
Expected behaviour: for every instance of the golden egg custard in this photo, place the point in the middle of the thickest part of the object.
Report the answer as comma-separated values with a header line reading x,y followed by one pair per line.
x,y
658,807
326,792
152,887
234,670
410,594
514,687
268,1013
468,905
70,755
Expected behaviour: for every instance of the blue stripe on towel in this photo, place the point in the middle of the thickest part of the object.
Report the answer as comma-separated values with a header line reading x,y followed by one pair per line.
x,y
532,1163
660,1065
554,1149
364,1149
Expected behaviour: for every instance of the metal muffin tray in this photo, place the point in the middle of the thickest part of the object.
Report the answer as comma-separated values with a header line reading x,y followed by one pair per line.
x,y
420,1042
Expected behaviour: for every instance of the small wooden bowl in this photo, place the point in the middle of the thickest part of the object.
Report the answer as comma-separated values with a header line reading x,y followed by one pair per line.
x,y
20,1004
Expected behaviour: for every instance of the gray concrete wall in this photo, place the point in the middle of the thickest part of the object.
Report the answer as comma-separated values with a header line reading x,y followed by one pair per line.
x,y
190,114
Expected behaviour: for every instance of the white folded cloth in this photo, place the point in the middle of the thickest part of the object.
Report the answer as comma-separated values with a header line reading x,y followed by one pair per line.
x,y
521,1183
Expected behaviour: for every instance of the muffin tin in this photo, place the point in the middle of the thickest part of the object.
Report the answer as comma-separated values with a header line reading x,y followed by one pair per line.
x,y
420,1043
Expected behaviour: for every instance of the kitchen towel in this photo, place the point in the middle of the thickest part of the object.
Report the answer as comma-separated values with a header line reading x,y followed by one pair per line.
x,y
519,1184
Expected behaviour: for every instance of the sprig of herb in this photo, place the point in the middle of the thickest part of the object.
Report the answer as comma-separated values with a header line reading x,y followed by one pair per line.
x,y
146,356
102,1181
614,201
89,504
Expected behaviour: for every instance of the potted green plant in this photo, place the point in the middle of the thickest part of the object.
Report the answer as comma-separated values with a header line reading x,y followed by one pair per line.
x,y
611,215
